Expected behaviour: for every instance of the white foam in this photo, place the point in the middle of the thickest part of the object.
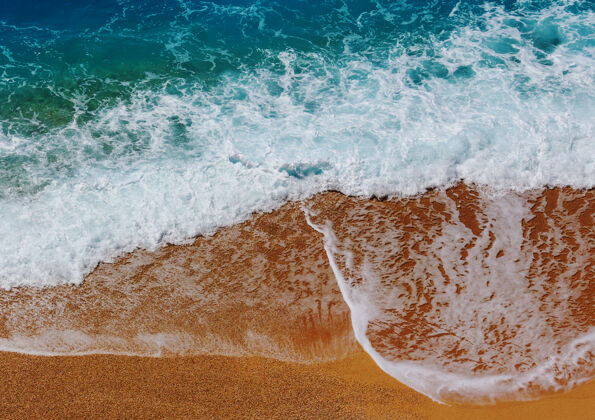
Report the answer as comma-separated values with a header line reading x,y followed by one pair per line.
x,y
514,328
62,342
182,165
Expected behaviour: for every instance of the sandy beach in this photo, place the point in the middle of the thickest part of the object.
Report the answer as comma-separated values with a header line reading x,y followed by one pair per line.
x,y
228,387
250,322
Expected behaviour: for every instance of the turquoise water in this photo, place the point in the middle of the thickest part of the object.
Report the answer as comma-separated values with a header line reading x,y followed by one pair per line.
x,y
128,124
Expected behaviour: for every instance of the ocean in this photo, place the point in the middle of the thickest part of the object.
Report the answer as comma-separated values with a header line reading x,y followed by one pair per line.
x,y
129,125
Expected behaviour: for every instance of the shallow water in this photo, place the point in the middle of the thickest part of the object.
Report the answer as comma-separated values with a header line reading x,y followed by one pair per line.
x,y
459,294
466,296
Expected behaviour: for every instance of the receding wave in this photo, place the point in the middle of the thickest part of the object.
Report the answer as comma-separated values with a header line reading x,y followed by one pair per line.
x,y
459,293
262,288
466,295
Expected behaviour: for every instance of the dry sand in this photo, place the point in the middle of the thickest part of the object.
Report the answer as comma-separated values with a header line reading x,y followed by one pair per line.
x,y
230,387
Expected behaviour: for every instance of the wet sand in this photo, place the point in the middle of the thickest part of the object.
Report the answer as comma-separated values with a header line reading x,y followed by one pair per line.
x,y
250,322
246,387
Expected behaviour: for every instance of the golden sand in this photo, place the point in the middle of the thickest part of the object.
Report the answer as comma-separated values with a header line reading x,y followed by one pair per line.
x,y
114,387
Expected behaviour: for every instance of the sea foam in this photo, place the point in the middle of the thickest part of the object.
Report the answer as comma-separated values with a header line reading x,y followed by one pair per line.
x,y
505,100
467,297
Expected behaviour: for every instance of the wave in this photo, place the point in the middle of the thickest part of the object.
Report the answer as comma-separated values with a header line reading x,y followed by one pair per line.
x,y
462,295
497,96
465,296
259,288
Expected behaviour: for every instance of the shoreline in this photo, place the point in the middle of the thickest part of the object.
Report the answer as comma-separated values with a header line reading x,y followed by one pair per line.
x,y
264,287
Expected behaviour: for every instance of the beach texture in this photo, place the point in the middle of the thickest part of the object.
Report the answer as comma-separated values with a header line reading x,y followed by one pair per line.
x,y
251,322
115,387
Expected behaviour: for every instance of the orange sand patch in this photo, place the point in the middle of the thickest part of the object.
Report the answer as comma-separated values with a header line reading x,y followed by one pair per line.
x,y
227,387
